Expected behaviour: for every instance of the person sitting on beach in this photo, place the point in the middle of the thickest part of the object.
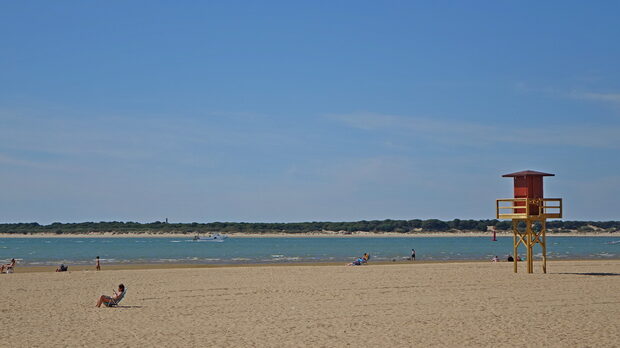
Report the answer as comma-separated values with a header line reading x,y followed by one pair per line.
x,y
357,262
8,266
62,268
365,258
495,259
107,300
510,258
518,258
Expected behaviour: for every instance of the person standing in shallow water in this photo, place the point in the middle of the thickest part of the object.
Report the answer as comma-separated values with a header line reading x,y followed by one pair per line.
x,y
412,254
98,264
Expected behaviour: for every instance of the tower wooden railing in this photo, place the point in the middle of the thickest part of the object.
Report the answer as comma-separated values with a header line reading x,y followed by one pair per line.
x,y
524,208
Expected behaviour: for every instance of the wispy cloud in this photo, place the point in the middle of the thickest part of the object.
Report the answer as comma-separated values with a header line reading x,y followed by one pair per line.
x,y
575,93
470,133
33,137
604,97
373,121
9,160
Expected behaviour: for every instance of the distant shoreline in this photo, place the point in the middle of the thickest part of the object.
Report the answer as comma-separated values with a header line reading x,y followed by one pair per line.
x,y
300,235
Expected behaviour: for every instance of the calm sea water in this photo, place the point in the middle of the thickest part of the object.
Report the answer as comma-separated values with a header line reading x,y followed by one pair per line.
x,y
53,251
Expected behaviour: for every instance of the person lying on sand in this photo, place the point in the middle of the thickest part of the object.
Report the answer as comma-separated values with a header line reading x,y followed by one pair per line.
x,y
357,262
107,300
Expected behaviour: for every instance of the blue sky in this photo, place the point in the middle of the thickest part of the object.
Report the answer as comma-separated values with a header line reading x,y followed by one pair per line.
x,y
301,111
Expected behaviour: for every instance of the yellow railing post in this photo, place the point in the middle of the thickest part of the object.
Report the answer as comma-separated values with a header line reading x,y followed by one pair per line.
x,y
497,208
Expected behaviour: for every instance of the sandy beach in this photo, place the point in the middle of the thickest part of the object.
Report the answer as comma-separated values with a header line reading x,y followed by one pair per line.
x,y
388,305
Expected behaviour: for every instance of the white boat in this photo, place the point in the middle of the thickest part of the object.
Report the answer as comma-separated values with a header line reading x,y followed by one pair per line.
x,y
216,237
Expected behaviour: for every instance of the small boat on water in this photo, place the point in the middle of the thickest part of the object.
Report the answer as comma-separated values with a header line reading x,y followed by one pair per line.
x,y
216,237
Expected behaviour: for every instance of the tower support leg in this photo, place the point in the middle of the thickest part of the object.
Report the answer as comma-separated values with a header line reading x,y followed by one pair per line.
x,y
515,243
529,241
543,244
529,238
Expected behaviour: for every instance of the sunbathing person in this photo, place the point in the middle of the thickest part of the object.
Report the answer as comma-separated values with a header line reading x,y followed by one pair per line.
x,y
112,300
8,266
357,262
365,258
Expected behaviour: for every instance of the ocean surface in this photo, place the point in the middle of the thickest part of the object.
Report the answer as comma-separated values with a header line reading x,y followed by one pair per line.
x,y
76,251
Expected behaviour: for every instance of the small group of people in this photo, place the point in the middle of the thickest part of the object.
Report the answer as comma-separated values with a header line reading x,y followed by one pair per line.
x,y
509,258
364,259
109,301
8,267
63,268
360,260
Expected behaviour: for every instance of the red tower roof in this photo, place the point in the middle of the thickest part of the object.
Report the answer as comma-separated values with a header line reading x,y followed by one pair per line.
x,y
526,173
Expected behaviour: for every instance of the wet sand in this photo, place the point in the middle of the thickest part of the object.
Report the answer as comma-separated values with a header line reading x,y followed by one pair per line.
x,y
384,305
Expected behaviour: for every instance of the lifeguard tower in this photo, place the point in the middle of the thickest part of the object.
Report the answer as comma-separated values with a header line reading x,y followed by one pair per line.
x,y
528,207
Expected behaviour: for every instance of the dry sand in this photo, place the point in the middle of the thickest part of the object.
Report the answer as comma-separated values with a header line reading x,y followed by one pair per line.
x,y
401,305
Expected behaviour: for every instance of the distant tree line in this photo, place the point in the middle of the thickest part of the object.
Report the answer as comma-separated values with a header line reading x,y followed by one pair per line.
x,y
398,226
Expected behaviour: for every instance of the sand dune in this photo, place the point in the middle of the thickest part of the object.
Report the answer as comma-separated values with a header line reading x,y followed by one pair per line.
x,y
401,305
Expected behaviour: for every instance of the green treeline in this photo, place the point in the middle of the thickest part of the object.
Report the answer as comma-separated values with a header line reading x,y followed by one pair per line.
x,y
399,226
